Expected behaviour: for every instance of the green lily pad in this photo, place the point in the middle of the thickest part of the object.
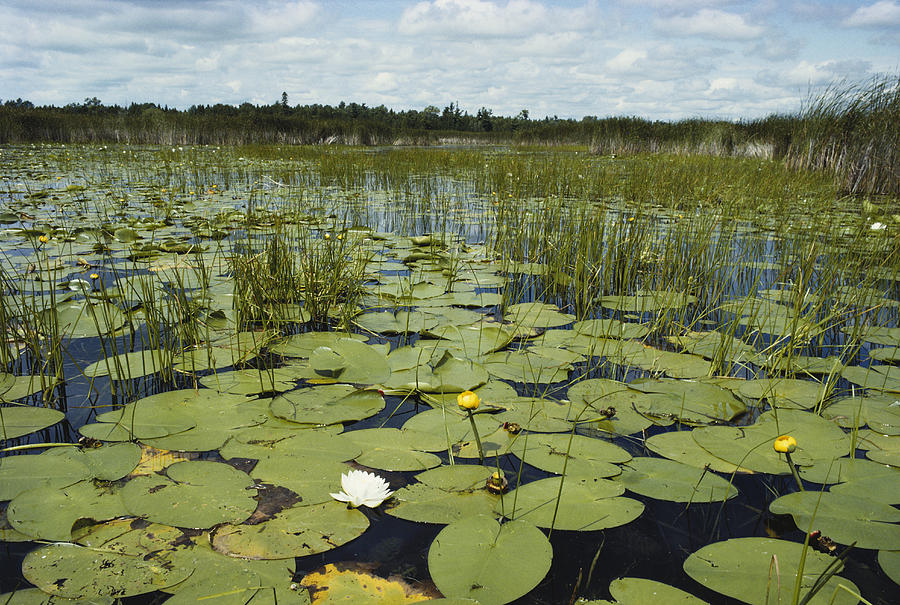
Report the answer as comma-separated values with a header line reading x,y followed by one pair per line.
x,y
476,339
109,462
294,532
889,560
669,480
480,559
16,421
581,457
35,596
76,572
196,494
252,381
302,345
296,440
401,322
537,315
526,366
881,412
877,377
638,591
327,404
763,570
681,447
20,473
610,328
391,449
348,360
881,488
580,507
449,374
843,518
48,513
785,392
848,469
13,388
84,319
751,447
130,365
444,495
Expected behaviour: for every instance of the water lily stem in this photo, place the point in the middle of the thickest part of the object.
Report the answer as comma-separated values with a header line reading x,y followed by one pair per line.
x,y
477,438
794,471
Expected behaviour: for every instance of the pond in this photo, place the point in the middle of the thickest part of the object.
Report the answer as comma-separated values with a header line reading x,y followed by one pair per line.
x,y
484,375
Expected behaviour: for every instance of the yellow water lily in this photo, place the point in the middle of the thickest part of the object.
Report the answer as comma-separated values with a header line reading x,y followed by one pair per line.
x,y
785,444
468,400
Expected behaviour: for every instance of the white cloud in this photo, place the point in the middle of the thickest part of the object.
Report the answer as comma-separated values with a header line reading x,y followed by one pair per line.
x,y
710,23
881,14
625,60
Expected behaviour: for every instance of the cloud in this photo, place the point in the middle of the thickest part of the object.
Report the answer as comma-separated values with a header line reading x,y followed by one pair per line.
x,y
880,14
709,23
514,18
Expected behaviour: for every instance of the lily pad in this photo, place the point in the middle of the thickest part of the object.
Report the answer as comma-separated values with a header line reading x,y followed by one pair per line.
x,y
637,591
579,507
48,513
348,360
763,570
294,532
669,480
76,572
843,518
16,421
193,494
20,473
328,404
480,559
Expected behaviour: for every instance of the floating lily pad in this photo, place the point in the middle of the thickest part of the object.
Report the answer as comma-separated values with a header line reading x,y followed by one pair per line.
x,y
13,388
76,572
537,315
294,532
302,345
348,360
480,559
328,404
48,513
35,596
889,560
449,374
130,365
20,473
579,507
16,421
763,570
390,449
580,457
843,518
353,583
402,322
669,480
638,591
193,494
681,447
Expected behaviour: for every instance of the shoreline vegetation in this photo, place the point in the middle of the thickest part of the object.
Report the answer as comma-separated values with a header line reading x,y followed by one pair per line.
x,y
850,131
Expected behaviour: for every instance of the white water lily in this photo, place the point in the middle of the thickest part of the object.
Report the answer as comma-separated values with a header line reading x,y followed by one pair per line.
x,y
363,489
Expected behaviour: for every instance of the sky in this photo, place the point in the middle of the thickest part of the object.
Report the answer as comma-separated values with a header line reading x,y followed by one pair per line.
x,y
657,59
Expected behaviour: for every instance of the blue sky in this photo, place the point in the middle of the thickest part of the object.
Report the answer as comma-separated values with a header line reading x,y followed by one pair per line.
x,y
659,59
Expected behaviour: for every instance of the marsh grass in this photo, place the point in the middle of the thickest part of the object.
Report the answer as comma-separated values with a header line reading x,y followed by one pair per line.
x,y
852,130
